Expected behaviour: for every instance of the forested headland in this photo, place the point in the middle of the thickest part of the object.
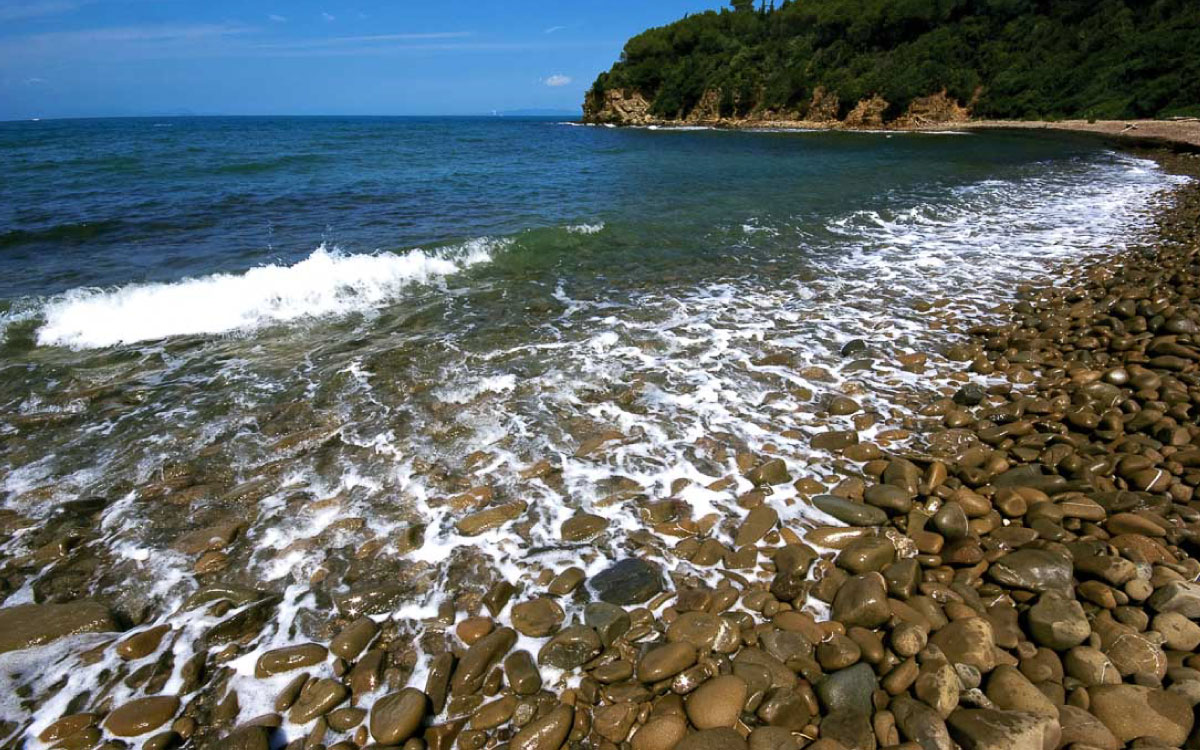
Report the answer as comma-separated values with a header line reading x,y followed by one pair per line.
x,y
875,61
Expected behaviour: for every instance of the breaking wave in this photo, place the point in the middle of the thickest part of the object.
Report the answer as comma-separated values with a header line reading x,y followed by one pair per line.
x,y
326,283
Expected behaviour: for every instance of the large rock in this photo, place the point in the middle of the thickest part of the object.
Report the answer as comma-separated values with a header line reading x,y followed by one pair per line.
x,y
850,512
1081,728
757,523
665,661
968,641
630,581
141,715
1179,633
537,618
396,717
484,654
1132,711
1010,690
849,689
862,600
989,729
1033,569
571,647
546,733
1178,596
28,625
920,724
1058,622
660,733
717,703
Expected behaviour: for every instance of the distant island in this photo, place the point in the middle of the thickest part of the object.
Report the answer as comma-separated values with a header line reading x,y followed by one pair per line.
x,y
908,64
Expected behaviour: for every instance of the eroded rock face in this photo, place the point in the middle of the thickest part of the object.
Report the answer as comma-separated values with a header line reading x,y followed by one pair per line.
x,y
823,107
619,107
627,107
935,109
868,113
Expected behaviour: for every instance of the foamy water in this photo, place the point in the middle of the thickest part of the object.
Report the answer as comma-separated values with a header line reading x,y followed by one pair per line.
x,y
325,283
633,392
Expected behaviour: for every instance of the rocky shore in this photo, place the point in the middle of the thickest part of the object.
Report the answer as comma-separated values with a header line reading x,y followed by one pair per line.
x,y
1022,576
935,113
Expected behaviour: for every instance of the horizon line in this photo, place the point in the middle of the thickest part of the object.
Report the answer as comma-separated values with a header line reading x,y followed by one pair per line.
x,y
499,115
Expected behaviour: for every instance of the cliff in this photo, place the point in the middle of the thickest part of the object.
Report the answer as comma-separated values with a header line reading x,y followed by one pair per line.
x,y
623,107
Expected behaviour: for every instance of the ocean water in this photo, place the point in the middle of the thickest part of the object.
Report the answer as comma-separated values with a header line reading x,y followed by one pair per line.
x,y
342,336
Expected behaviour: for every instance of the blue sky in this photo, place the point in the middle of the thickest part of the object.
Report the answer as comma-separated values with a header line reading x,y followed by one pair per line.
x,y
71,58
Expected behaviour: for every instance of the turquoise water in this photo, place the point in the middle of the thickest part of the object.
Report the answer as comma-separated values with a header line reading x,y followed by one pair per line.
x,y
329,330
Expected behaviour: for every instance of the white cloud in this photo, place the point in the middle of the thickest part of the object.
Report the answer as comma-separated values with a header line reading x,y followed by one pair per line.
x,y
553,29
557,80
277,18
35,81
329,16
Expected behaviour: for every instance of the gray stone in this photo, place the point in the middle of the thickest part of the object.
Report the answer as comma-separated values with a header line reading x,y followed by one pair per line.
x,y
630,581
1178,596
849,689
1058,622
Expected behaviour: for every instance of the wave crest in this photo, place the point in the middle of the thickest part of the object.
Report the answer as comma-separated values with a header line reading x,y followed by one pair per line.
x,y
326,283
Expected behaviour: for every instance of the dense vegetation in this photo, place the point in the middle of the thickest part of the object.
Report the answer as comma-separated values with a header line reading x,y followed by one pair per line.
x,y
1026,59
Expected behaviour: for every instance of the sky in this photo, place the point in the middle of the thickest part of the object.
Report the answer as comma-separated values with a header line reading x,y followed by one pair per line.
x,y
97,58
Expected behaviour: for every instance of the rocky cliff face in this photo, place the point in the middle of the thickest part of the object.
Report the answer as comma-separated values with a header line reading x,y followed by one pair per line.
x,y
618,107
623,107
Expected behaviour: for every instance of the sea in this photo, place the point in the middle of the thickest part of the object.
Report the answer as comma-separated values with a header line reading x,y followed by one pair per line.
x,y
334,339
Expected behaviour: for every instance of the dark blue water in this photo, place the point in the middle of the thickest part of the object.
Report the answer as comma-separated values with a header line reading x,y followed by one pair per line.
x,y
104,202
342,336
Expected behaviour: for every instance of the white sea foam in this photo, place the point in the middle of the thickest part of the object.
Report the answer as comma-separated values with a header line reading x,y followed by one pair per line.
x,y
595,228
326,283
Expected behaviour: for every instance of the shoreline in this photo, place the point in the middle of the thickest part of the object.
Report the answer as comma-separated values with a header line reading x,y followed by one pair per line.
x,y
984,589
1173,134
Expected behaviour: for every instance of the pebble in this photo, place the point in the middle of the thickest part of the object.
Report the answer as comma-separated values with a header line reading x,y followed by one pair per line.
x,y
1058,622
1032,569
862,600
968,641
546,733
537,618
666,661
141,715
717,703
582,527
850,512
571,648
317,699
630,581
479,659
286,659
353,638
660,733
397,716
